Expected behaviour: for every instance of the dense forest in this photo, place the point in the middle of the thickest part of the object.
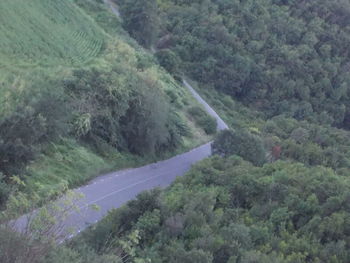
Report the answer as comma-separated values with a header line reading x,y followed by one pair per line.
x,y
282,57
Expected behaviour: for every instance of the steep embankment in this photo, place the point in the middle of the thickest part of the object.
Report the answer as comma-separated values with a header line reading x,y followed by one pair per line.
x,y
79,97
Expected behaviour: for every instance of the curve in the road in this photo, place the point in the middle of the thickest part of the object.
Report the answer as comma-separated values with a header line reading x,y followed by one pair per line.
x,y
115,189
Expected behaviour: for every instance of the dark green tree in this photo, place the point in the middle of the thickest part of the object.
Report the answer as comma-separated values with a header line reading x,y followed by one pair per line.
x,y
170,61
242,143
141,20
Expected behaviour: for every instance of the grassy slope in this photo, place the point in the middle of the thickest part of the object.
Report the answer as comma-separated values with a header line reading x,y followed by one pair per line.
x,y
43,37
46,32
47,39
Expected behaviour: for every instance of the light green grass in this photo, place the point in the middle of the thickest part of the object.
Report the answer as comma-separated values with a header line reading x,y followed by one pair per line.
x,y
67,164
46,33
63,165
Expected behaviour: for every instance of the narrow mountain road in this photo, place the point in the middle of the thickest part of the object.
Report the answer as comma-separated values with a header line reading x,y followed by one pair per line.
x,y
115,189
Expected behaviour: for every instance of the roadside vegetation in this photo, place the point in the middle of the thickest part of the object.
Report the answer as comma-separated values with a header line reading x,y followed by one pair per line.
x,y
227,210
70,116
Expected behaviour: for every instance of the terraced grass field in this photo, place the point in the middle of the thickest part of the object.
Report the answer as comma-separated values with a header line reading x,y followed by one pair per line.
x,y
46,33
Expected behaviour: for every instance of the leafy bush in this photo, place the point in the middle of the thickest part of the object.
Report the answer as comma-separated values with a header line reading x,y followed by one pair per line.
x,y
208,124
141,20
201,117
24,131
136,117
227,210
241,143
170,61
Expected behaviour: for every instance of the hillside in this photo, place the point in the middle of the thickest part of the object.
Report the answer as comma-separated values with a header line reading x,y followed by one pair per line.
x,y
79,97
278,57
276,189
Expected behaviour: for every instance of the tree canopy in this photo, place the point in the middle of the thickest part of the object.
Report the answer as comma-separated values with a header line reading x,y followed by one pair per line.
x,y
282,57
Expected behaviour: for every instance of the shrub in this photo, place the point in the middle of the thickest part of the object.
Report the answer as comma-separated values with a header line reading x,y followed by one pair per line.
x,y
4,190
24,131
136,117
241,143
169,60
206,122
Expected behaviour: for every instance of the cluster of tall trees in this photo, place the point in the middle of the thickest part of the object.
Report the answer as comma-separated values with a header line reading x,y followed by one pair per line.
x,y
287,57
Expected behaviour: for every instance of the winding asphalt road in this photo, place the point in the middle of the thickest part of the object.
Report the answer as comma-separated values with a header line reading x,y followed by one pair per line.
x,y
115,189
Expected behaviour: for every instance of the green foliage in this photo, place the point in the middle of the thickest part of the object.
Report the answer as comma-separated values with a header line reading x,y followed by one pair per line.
x,y
37,121
81,255
177,253
144,125
64,116
125,110
170,61
66,164
276,57
38,232
141,20
5,190
242,143
310,143
227,210
106,20
202,118
123,219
